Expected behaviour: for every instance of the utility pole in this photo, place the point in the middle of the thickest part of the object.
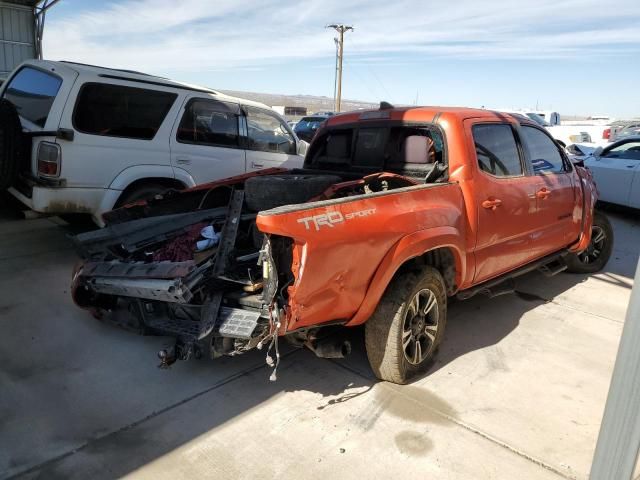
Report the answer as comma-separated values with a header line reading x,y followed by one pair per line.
x,y
341,29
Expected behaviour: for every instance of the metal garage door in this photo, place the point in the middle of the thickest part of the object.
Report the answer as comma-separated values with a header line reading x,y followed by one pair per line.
x,y
16,36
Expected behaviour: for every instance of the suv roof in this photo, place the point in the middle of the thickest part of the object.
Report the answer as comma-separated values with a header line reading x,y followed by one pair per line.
x,y
130,75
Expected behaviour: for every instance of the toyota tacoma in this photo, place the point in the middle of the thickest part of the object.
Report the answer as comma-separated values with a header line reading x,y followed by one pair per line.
x,y
395,211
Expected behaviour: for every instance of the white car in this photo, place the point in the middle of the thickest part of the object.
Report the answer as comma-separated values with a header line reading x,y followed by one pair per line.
x,y
616,170
563,134
98,138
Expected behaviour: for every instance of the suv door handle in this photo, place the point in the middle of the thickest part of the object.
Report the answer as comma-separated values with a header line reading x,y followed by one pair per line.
x,y
543,193
257,165
183,160
491,203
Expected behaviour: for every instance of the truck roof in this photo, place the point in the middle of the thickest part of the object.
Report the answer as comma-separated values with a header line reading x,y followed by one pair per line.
x,y
418,114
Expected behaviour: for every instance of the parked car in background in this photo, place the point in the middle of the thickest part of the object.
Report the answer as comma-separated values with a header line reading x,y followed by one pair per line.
x,y
564,135
616,171
307,126
625,129
99,138
549,116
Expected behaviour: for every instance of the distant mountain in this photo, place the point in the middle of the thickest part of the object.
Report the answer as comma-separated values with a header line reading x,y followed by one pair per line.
x,y
312,102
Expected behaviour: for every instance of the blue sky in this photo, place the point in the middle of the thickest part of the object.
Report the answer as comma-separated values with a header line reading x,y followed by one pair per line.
x,y
574,56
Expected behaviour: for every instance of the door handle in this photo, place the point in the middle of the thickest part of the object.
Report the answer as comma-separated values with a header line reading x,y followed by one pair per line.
x,y
543,193
183,160
630,166
491,203
257,165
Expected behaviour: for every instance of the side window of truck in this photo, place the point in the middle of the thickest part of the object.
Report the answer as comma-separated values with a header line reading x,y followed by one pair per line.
x,y
119,111
545,157
497,150
210,122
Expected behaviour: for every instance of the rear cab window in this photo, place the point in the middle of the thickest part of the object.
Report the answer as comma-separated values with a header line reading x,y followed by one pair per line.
x,y
403,149
121,111
497,150
32,92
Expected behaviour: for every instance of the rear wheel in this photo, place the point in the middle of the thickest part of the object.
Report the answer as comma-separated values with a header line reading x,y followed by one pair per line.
x,y
596,255
11,144
145,191
403,334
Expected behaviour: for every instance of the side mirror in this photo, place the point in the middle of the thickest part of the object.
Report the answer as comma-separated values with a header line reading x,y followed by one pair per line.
x,y
302,148
597,152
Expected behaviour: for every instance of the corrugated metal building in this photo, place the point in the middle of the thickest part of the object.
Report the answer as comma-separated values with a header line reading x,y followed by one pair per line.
x,y
21,27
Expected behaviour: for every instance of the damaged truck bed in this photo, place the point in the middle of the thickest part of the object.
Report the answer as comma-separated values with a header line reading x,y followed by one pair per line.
x,y
144,271
394,211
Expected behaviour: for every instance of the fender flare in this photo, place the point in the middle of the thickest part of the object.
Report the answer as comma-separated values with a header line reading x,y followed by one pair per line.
x,y
405,249
139,172
589,199
184,177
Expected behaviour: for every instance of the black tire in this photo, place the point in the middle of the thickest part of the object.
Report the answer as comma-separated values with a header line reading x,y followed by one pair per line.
x,y
271,191
597,254
394,315
145,191
12,142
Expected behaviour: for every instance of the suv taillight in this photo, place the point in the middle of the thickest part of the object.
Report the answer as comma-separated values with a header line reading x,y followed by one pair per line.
x,y
606,133
49,159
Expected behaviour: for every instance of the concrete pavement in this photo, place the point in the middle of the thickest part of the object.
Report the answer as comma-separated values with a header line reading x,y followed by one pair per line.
x,y
517,391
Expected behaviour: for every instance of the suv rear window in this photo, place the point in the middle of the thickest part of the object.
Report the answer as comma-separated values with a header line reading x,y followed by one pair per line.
x,y
119,111
33,92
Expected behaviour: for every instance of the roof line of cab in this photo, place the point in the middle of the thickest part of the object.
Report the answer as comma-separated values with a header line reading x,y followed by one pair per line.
x,y
420,114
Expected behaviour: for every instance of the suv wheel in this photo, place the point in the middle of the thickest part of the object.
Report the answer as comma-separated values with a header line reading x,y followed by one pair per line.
x,y
403,334
143,192
11,144
597,254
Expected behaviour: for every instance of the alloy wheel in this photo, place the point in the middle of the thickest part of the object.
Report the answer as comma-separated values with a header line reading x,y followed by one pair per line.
x,y
593,251
420,326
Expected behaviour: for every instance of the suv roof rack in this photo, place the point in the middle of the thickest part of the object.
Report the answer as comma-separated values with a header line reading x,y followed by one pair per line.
x,y
109,68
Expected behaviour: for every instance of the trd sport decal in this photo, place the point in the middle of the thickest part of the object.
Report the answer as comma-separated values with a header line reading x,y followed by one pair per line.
x,y
329,219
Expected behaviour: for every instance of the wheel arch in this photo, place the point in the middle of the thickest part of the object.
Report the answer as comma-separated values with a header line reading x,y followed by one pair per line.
x,y
166,182
440,247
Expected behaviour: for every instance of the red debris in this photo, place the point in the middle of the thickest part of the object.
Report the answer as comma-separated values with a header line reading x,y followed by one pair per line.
x,y
181,248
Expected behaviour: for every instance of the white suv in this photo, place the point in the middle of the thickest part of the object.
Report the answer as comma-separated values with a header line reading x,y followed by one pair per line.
x,y
87,139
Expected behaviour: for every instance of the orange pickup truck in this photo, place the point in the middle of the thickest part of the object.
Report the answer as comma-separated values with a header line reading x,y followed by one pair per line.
x,y
395,211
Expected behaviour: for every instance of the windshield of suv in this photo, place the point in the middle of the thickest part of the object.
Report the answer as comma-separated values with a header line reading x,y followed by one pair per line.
x,y
32,92
309,123
538,119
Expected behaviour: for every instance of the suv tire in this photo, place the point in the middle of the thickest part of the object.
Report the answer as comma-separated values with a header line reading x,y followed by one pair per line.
x,y
271,191
145,191
597,254
399,325
11,144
